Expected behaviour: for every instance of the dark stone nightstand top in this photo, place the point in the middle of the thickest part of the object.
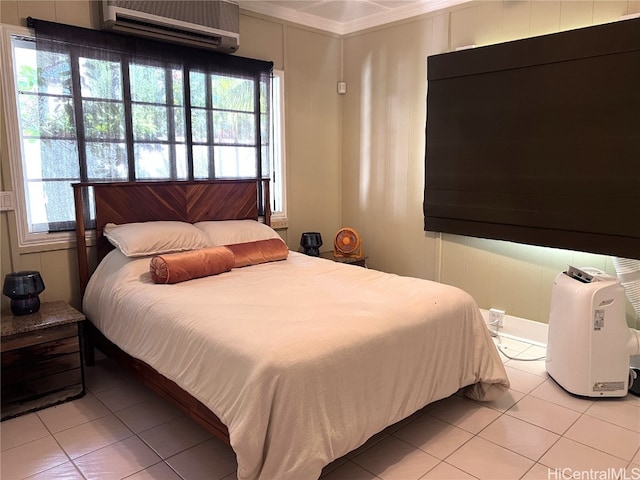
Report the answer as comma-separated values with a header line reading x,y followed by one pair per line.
x,y
50,314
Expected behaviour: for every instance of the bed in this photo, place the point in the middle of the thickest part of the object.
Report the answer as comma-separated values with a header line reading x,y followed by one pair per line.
x,y
293,361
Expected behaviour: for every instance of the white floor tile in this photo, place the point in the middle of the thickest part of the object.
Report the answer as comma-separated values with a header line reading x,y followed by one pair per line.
x,y
148,414
434,436
573,456
126,395
518,436
91,436
120,429
209,460
510,345
104,375
464,413
486,460
632,400
535,368
378,437
550,391
71,414
604,436
175,436
522,381
618,411
350,471
159,471
534,351
334,465
66,471
31,458
444,471
544,414
117,461
539,472
505,402
21,430
524,353
383,460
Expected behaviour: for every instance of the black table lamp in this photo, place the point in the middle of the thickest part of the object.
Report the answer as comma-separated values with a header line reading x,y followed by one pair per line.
x,y
311,243
23,289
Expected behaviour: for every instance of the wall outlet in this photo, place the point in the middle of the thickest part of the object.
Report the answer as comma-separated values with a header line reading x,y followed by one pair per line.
x,y
7,201
496,318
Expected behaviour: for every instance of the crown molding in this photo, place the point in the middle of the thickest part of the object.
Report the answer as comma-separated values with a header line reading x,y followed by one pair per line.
x,y
397,14
344,28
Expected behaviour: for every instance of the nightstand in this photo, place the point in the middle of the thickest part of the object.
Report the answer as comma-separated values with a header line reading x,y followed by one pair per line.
x,y
359,261
41,359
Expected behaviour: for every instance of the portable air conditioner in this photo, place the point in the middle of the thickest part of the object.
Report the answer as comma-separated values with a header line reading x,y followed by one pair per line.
x,y
212,24
589,342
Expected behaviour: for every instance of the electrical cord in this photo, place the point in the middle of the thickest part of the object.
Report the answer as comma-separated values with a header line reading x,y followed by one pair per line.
x,y
495,334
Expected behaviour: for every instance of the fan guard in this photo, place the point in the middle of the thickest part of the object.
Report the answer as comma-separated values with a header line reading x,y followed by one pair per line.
x,y
347,243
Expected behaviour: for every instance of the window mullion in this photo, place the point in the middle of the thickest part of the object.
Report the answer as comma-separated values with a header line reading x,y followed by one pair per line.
x,y
210,127
128,117
171,124
78,111
256,109
186,88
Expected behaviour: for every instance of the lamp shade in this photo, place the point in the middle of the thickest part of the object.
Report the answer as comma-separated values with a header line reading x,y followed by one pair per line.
x,y
311,243
23,289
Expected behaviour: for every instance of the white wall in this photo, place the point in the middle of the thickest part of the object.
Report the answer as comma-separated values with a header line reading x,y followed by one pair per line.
x,y
383,152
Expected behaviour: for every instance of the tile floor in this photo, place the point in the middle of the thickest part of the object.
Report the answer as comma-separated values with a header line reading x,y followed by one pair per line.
x,y
536,431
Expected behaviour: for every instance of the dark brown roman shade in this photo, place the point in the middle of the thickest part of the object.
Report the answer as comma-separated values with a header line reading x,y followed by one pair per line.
x,y
537,141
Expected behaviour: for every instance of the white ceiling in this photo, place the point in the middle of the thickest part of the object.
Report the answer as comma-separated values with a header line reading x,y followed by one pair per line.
x,y
344,16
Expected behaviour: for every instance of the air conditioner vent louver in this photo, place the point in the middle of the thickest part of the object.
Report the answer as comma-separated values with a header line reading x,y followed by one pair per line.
x,y
169,30
212,24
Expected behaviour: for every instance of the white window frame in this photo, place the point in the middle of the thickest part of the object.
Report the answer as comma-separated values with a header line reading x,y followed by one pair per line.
x,y
278,185
14,147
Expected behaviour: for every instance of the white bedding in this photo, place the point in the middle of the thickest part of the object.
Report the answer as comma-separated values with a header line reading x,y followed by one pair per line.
x,y
303,359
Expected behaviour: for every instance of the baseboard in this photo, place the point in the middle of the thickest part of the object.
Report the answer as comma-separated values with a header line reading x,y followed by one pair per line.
x,y
522,329
532,332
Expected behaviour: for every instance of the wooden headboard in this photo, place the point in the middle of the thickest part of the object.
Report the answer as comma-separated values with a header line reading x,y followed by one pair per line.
x,y
187,201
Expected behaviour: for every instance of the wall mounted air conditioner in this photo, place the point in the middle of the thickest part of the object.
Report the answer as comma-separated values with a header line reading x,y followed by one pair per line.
x,y
211,24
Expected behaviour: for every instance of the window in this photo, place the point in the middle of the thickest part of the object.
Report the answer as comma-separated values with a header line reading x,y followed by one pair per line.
x,y
87,115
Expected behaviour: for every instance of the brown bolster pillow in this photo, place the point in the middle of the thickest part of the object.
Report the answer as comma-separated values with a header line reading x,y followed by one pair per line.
x,y
178,267
260,251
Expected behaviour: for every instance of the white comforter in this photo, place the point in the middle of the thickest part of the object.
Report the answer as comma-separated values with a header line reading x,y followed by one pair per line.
x,y
303,359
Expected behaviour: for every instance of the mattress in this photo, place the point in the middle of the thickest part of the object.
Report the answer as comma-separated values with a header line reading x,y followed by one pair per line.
x,y
302,359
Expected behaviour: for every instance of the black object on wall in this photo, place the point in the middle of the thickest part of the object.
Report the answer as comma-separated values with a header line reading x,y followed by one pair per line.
x,y
538,141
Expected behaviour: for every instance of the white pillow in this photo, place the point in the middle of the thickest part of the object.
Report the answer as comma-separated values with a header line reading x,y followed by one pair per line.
x,y
228,232
154,238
